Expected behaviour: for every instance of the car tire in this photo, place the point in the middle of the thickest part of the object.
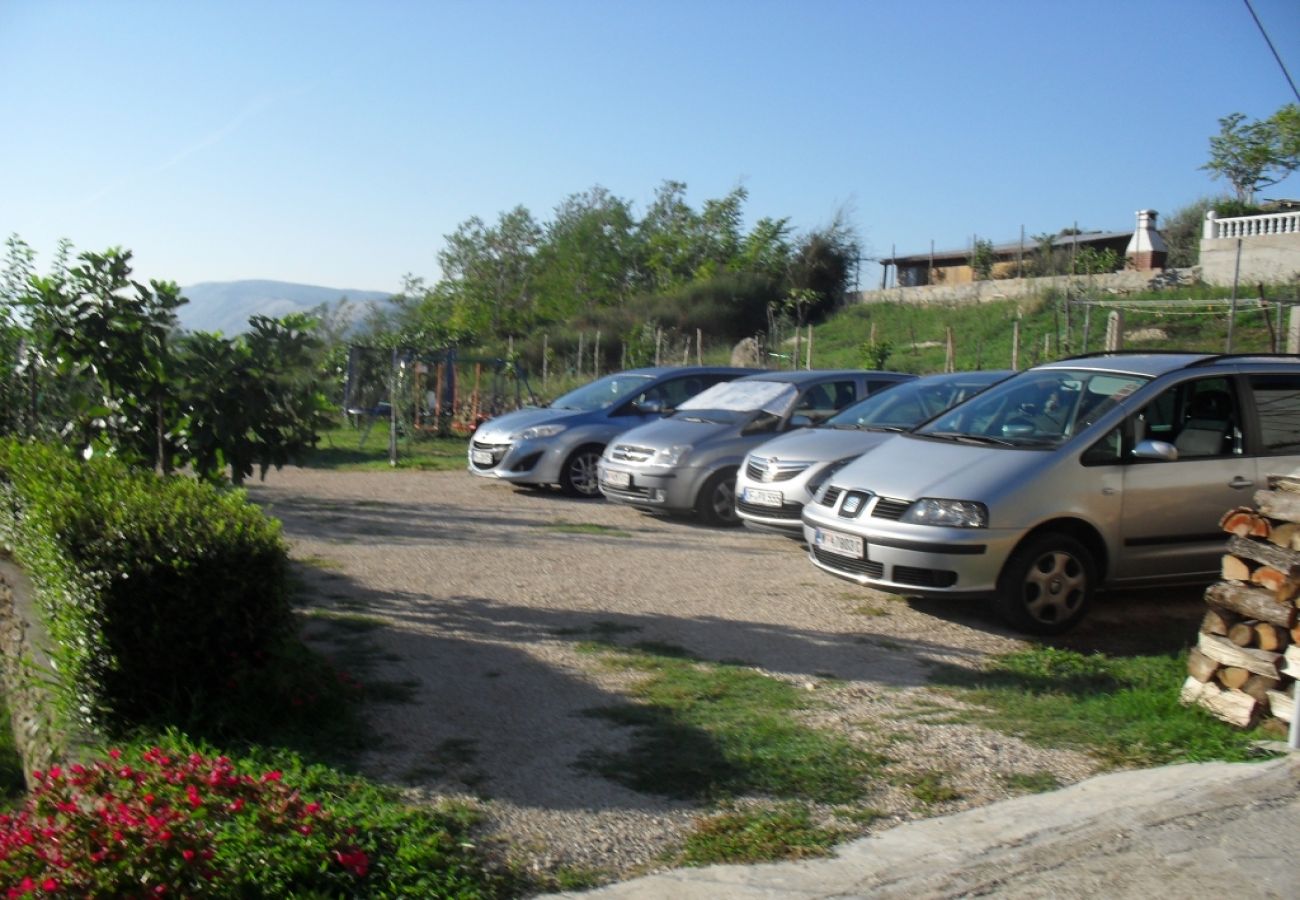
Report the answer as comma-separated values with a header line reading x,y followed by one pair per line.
x,y
578,476
1047,585
716,502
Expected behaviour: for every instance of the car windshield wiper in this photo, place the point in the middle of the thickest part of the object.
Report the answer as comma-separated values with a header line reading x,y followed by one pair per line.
x,y
969,438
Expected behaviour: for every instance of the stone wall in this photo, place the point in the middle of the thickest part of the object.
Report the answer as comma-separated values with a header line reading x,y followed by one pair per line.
x,y
1267,259
1015,288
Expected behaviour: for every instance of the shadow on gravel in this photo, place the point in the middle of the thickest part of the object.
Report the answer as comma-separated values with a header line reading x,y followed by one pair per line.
x,y
1121,623
484,714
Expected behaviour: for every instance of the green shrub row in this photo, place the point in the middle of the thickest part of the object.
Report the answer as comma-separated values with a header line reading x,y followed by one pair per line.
x,y
160,595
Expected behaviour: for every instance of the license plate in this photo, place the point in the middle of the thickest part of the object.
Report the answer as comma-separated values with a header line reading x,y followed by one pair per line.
x,y
843,544
482,457
763,498
618,479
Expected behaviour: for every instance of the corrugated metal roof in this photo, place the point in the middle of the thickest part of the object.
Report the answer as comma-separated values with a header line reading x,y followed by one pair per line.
x,y
1012,248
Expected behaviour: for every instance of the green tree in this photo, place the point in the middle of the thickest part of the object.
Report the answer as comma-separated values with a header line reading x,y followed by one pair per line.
x,y
1251,156
107,337
488,274
252,402
982,259
588,257
823,261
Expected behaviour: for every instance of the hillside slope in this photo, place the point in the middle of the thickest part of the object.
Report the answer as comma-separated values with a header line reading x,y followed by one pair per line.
x,y
226,306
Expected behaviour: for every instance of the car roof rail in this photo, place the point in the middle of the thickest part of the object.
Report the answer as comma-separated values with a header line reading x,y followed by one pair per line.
x,y
1096,353
1263,357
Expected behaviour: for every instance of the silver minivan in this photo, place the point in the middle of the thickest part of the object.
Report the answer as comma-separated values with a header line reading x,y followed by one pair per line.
x,y
780,476
688,462
1103,470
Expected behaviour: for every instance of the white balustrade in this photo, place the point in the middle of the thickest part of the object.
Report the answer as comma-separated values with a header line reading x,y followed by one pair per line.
x,y
1251,226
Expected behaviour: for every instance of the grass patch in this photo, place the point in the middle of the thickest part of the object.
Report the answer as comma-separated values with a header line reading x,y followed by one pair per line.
x,y
931,787
1031,782
715,732
345,448
747,836
1123,711
585,528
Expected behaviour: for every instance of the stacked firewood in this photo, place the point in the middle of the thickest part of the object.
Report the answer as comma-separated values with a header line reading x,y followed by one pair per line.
x,y
1247,657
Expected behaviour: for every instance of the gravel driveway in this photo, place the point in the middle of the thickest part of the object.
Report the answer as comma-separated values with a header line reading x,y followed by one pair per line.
x,y
478,594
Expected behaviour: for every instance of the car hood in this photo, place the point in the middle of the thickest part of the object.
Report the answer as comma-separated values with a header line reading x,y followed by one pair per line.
x,y
668,432
821,444
499,429
910,468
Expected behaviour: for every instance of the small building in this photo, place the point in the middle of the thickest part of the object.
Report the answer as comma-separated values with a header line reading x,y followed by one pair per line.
x,y
1143,248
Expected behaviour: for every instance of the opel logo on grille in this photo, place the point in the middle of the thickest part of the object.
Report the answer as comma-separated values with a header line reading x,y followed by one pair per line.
x,y
769,474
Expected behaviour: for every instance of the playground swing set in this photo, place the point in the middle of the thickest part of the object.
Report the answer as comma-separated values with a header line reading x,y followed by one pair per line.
x,y
430,391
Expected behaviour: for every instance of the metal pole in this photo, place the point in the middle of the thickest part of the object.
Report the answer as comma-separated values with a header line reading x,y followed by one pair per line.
x,y
392,412
1232,311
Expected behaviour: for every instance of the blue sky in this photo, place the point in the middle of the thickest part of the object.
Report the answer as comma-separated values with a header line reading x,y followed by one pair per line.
x,y
337,143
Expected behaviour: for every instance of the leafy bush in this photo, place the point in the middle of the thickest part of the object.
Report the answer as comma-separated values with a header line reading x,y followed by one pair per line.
x,y
187,821
160,594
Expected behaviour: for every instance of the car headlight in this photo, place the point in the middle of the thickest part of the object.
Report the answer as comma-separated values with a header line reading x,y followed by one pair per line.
x,y
671,456
947,513
815,483
537,431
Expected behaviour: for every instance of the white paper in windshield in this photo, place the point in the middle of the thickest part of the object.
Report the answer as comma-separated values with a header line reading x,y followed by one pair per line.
x,y
776,397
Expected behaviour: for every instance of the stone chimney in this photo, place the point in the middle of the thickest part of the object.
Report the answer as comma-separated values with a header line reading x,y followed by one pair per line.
x,y
1146,249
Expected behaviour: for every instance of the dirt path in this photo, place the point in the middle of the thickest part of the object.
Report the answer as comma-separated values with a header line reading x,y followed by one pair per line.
x,y
468,598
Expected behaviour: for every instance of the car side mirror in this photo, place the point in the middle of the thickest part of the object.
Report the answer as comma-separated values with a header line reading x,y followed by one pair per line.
x,y
800,421
652,408
1161,450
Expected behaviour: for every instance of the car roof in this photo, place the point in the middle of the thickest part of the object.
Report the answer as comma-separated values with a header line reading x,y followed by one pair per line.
x,y
989,375
658,371
804,376
1156,363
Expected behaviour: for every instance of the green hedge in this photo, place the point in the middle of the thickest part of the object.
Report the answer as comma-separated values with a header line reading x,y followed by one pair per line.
x,y
161,596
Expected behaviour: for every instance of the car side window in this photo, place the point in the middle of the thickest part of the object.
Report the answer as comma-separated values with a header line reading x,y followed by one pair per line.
x,y
1277,401
1201,418
821,401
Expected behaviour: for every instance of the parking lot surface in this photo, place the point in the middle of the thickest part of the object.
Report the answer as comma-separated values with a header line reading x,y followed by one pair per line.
x,y
472,600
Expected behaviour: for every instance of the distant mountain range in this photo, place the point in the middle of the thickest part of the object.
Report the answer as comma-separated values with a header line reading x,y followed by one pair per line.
x,y
226,306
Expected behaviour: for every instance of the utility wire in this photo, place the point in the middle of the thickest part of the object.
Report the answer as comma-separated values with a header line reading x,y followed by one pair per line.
x,y
1281,64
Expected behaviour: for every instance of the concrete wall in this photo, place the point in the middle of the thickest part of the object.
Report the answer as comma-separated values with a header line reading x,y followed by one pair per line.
x,y
1012,288
1271,259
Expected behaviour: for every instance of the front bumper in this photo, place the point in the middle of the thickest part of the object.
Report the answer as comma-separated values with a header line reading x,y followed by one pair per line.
x,y
774,505
671,490
519,462
910,559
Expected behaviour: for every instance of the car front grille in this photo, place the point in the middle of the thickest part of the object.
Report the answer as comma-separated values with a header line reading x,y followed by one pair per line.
x,y
498,452
631,453
929,578
857,566
769,469
790,511
831,496
888,508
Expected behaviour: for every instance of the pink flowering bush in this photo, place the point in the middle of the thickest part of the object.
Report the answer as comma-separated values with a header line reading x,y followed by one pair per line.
x,y
160,825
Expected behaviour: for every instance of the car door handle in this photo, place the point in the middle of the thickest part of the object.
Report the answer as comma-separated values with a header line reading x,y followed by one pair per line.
x,y
1240,483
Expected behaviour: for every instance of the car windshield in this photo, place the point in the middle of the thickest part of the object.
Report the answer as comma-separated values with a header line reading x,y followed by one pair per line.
x,y
723,401
912,402
603,392
1040,408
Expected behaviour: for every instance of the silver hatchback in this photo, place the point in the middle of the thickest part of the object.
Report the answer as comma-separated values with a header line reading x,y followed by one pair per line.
x,y
688,462
1105,470
780,476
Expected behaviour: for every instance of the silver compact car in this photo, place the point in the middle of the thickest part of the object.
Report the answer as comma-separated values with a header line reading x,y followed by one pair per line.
x,y
688,462
560,443
1104,470
780,476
